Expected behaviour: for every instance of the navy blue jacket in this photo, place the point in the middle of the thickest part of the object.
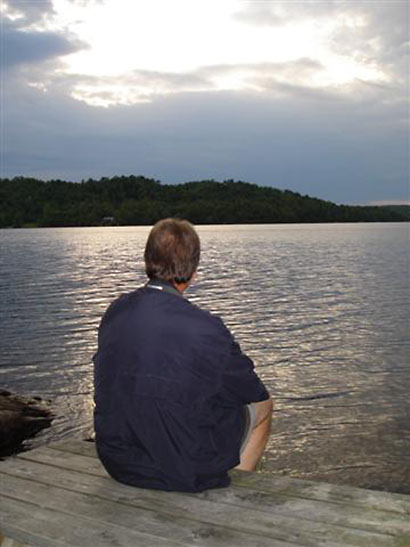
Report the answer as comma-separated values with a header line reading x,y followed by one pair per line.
x,y
170,385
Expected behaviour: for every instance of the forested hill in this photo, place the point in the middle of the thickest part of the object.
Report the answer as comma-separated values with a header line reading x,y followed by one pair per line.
x,y
138,200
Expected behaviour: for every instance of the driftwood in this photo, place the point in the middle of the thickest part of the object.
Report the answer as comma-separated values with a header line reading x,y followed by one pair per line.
x,y
20,419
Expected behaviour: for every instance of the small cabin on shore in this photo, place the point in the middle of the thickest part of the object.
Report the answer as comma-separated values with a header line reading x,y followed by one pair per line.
x,y
108,221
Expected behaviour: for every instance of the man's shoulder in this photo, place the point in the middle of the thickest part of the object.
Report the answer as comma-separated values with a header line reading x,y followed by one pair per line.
x,y
210,318
183,310
206,321
120,305
152,303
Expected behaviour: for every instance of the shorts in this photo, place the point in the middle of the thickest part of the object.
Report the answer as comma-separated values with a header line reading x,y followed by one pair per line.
x,y
250,420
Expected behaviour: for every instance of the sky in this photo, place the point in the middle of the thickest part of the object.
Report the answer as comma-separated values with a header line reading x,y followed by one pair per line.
x,y
308,96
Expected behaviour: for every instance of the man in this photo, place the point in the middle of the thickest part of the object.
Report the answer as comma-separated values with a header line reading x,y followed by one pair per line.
x,y
177,404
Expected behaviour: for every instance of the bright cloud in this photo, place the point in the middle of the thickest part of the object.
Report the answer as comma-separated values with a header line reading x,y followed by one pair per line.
x,y
138,50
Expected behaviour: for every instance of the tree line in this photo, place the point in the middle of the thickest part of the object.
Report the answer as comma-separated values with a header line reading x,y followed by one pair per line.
x,y
137,200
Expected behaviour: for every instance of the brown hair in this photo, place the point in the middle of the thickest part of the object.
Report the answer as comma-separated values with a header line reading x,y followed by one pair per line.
x,y
172,251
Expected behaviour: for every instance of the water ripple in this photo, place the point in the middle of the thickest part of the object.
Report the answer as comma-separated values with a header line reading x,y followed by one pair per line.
x,y
321,309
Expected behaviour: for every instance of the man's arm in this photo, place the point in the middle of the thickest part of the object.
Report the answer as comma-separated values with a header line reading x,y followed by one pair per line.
x,y
242,384
255,446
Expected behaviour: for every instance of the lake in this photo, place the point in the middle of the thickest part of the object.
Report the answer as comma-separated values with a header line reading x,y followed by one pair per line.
x,y
322,309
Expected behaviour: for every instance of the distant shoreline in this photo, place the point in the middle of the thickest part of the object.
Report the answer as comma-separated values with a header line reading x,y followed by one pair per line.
x,y
213,224
138,201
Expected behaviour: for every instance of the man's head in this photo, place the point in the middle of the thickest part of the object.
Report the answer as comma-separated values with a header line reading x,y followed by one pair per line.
x,y
172,251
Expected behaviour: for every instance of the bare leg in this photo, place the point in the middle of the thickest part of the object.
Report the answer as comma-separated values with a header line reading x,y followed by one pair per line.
x,y
259,437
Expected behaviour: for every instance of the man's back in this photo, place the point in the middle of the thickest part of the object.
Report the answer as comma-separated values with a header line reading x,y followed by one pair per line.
x,y
171,384
168,397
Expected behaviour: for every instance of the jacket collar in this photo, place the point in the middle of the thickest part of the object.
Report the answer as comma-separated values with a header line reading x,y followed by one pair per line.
x,y
161,285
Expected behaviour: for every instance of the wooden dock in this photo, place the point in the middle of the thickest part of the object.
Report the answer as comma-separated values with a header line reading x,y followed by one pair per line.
x,y
60,495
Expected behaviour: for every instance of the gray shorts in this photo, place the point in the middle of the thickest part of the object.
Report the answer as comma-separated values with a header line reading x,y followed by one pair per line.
x,y
250,420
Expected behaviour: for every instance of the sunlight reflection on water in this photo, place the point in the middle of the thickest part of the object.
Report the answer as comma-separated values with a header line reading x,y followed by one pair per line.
x,y
322,309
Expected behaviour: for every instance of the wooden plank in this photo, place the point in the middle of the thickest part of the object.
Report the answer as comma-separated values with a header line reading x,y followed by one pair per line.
x,y
8,542
83,448
361,518
312,490
286,527
332,493
43,527
68,460
106,512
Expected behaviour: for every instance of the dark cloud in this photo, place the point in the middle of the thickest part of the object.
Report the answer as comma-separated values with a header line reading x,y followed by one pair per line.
x,y
30,11
31,46
342,151
34,11
25,42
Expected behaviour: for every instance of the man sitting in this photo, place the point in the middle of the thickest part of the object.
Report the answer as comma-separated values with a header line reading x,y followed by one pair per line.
x,y
177,404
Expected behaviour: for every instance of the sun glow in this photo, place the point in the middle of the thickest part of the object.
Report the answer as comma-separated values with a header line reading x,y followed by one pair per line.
x,y
137,50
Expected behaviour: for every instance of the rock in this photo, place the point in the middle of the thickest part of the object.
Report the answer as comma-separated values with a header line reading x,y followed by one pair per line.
x,y
21,418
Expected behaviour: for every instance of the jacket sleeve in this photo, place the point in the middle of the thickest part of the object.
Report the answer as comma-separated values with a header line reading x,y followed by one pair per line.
x,y
240,383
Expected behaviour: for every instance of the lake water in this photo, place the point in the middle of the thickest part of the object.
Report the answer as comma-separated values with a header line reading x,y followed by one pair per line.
x,y
323,310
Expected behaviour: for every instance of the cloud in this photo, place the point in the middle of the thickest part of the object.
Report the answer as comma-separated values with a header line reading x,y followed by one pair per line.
x,y
28,12
26,38
322,76
254,73
22,47
134,87
303,77
381,38
375,32
144,86
273,123
337,150
275,14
